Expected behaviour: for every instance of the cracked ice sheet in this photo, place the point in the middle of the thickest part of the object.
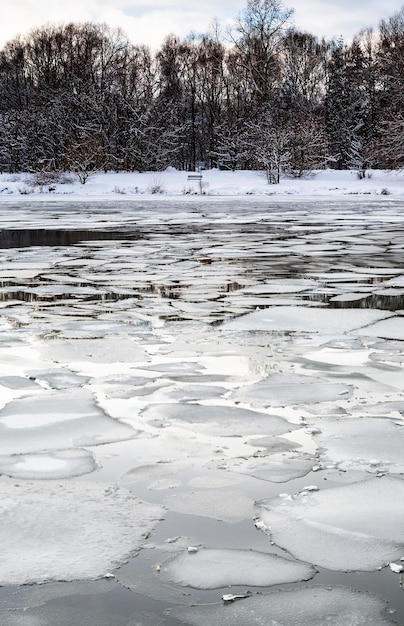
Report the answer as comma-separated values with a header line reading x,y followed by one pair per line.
x,y
69,531
385,329
309,606
312,320
214,568
353,527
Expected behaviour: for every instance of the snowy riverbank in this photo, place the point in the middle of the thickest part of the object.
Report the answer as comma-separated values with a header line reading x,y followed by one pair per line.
x,y
215,183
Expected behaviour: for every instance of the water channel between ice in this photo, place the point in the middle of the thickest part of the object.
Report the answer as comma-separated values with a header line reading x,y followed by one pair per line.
x,y
199,399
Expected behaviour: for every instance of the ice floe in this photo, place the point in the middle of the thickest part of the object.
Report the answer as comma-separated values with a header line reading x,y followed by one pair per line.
x,y
69,531
288,389
218,420
343,528
392,328
232,505
281,286
210,568
75,604
337,606
48,465
279,468
57,420
355,442
313,320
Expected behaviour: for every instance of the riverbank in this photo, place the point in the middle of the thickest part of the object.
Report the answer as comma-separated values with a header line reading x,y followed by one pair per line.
x,y
172,182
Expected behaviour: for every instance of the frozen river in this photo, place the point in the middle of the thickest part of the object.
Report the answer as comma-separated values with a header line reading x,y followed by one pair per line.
x,y
199,400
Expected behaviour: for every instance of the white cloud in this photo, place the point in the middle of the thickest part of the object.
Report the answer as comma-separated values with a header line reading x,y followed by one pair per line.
x,y
149,22
328,19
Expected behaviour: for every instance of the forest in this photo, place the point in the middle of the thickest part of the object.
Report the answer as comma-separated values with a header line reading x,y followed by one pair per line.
x,y
80,97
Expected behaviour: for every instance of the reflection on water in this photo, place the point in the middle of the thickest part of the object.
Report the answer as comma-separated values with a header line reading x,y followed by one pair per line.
x,y
27,238
367,301
210,259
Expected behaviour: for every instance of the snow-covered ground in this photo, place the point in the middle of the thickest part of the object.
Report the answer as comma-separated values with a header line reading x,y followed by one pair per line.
x,y
214,183
202,402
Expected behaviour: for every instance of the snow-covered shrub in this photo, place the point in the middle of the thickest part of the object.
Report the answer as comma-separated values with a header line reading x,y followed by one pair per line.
x,y
43,178
156,185
188,191
25,190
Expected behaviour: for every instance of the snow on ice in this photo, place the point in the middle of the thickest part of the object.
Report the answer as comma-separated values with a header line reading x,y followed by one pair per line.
x,y
67,531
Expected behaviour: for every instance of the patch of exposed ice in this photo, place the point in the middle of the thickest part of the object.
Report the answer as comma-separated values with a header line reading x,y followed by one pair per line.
x,y
339,356
343,528
48,465
350,297
188,393
17,382
68,531
353,443
289,389
164,484
98,349
215,480
218,420
18,358
231,506
392,328
389,408
60,379
214,568
93,613
273,445
30,596
157,470
57,420
282,285
75,604
311,606
391,378
279,468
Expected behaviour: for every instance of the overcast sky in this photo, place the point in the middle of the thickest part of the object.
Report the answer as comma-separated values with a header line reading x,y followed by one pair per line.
x,y
150,21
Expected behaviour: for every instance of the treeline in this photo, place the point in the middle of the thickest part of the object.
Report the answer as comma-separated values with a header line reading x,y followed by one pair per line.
x,y
81,97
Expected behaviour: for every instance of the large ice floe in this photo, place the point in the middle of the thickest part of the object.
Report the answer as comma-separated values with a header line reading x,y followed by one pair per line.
x,y
297,319
375,444
288,389
69,531
218,420
48,465
311,607
344,528
213,568
50,420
